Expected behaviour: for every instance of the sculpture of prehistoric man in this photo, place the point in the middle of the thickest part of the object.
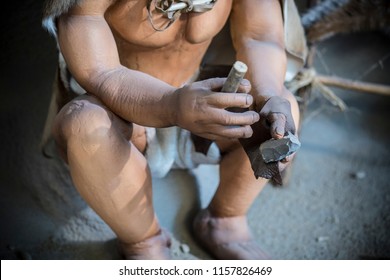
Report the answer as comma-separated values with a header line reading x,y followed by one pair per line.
x,y
135,65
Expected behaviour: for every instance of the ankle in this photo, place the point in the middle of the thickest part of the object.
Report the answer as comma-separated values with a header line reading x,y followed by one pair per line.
x,y
218,211
227,237
223,229
155,247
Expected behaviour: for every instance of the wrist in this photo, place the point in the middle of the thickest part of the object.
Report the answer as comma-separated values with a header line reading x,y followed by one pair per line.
x,y
261,96
171,102
260,100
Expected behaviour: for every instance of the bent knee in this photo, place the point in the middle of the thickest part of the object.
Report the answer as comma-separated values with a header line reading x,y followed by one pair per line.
x,y
290,97
294,106
83,120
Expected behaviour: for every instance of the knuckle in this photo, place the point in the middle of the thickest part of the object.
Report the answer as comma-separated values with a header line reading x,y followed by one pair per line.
x,y
237,100
228,119
248,99
247,132
254,118
214,99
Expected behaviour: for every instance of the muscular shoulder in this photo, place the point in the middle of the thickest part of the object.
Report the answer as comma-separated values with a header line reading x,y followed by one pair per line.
x,y
55,8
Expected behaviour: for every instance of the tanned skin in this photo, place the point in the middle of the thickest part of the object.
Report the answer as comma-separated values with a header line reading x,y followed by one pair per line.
x,y
134,77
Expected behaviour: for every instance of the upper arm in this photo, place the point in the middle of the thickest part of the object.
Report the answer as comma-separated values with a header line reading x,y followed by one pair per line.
x,y
259,20
86,41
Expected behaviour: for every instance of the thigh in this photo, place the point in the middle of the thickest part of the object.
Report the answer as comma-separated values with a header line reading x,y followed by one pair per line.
x,y
227,145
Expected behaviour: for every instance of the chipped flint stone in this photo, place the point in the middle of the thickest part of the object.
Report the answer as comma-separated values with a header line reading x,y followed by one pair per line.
x,y
277,149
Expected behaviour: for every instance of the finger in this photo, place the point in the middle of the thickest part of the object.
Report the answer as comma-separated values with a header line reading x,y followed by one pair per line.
x,y
214,84
277,125
233,132
244,87
210,136
227,118
225,100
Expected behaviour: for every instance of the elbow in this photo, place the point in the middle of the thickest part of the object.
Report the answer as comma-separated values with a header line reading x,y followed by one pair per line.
x,y
98,81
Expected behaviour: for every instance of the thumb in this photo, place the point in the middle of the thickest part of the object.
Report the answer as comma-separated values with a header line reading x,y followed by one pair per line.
x,y
278,125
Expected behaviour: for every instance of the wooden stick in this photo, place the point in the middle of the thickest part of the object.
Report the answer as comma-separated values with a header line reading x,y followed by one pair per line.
x,y
354,85
235,77
236,74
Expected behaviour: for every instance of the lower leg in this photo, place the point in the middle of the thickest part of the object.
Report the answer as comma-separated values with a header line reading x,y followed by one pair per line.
x,y
112,176
222,228
238,187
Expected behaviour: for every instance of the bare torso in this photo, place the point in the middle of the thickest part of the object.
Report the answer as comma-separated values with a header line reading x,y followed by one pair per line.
x,y
172,55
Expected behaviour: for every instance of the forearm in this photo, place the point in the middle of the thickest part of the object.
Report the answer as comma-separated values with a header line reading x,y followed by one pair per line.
x,y
266,68
135,96
258,38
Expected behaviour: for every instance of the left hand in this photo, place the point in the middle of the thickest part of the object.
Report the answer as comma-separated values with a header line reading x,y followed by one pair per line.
x,y
276,114
275,120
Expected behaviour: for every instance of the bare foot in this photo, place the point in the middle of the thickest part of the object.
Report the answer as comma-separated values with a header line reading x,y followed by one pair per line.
x,y
154,248
226,238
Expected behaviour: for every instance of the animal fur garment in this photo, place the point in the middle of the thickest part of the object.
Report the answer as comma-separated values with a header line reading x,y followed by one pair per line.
x,y
53,9
344,16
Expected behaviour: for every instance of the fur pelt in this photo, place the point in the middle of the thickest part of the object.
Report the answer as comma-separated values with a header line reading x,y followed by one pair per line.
x,y
55,8
331,17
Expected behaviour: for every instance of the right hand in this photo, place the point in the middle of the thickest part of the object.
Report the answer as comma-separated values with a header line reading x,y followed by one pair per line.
x,y
201,110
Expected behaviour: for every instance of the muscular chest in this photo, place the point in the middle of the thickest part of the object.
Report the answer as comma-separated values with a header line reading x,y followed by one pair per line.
x,y
132,24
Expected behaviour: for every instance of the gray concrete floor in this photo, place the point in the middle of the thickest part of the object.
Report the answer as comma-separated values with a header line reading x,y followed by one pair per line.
x,y
324,212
